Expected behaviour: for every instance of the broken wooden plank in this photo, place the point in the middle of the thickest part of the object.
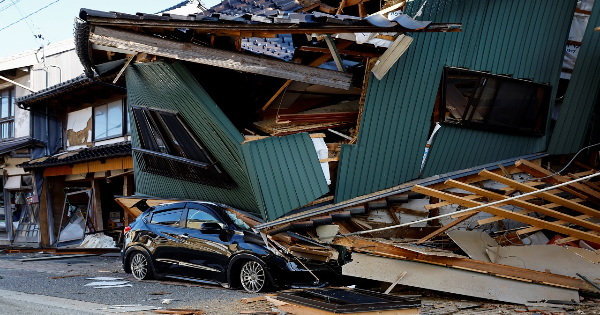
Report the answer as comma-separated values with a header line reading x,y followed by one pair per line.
x,y
533,229
544,195
388,290
219,58
549,206
525,205
448,226
509,215
327,160
547,176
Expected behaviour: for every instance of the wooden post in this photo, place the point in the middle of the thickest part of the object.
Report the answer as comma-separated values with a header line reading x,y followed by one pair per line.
x,y
127,191
97,205
43,213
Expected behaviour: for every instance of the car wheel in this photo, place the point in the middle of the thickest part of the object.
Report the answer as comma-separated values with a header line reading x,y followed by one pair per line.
x,y
140,266
253,276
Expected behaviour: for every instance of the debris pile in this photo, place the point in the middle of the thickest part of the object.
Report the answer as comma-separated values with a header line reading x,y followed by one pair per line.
x,y
518,234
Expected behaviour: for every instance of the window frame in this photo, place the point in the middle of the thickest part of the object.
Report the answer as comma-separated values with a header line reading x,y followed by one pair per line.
x,y
10,119
179,223
159,139
541,110
205,209
125,130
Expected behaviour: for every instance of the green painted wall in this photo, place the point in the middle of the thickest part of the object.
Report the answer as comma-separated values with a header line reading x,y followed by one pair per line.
x,y
570,133
525,38
172,87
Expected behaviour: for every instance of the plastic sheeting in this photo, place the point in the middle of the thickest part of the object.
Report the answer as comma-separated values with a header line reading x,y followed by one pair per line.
x,y
98,240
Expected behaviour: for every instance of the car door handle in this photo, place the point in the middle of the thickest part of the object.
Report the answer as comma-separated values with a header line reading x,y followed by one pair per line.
x,y
184,235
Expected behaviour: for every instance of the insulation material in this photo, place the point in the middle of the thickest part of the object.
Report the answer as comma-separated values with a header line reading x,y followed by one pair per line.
x,y
98,240
578,27
457,281
323,153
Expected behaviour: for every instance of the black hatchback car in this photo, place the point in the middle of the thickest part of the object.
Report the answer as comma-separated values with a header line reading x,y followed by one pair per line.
x,y
207,242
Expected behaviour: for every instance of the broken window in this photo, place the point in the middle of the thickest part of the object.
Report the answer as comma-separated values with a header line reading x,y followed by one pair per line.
x,y
170,148
7,115
494,102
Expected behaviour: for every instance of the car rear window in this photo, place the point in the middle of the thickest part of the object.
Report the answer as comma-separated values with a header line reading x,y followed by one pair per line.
x,y
170,217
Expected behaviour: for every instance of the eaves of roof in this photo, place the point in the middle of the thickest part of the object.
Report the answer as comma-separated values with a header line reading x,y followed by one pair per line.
x,y
18,143
79,83
79,156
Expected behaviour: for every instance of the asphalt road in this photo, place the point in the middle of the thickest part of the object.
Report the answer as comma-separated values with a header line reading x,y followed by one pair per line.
x,y
47,277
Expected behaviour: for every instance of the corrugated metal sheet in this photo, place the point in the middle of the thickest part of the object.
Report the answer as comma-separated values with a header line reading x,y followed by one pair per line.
x,y
570,133
478,148
523,38
265,173
287,172
159,85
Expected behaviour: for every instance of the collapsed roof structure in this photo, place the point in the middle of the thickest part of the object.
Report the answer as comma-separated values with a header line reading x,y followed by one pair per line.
x,y
213,121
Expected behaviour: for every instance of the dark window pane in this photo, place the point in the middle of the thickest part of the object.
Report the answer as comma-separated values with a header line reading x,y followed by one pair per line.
x,y
196,217
171,217
515,106
493,102
183,139
144,132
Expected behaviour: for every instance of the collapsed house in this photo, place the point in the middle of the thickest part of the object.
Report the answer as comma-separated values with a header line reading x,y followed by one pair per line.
x,y
212,121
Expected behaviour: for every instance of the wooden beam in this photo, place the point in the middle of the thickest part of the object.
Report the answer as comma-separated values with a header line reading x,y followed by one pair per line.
x,y
219,58
533,229
547,176
508,214
544,195
525,205
267,28
327,160
447,226
549,206
339,63
341,7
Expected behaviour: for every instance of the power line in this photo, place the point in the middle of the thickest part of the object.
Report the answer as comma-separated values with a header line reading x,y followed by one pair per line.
x,y
21,13
8,5
30,14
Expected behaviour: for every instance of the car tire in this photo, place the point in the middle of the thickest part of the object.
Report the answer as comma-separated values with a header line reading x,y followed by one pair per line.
x,y
254,276
140,265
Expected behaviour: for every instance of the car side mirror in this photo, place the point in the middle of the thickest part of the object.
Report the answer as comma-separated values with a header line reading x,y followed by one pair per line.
x,y
211,227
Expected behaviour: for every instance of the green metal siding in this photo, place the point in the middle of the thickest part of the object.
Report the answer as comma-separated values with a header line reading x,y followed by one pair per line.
x,y
297,181
172,87
480,147
523,38
570,133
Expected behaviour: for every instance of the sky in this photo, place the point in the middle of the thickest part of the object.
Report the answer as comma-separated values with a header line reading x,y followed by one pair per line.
x,y
55,22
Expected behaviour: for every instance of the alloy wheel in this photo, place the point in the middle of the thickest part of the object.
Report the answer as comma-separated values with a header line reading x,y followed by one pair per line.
x,y
253,276
139,266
